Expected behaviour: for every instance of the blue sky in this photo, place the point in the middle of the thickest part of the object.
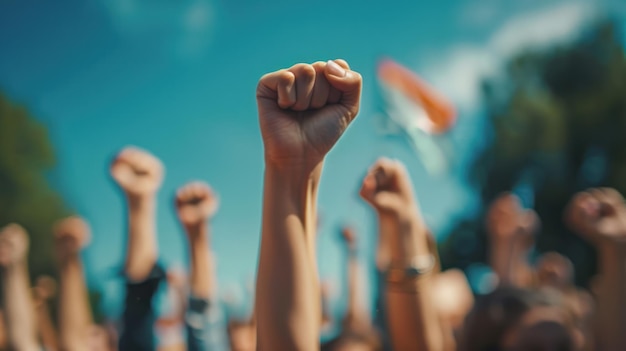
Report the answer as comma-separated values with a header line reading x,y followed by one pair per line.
x,y
178,78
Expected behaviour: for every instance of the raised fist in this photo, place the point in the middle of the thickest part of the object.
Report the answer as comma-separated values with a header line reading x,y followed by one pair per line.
x,y
71,235
304,110
137,172
13,245
387,187
507,220
555,270
196,203
45,288
599,215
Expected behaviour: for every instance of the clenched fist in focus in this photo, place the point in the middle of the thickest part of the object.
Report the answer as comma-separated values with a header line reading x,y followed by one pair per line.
x,y
304,110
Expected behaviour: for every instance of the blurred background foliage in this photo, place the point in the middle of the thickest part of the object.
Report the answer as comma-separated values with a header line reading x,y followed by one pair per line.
x,y
556,126
26,197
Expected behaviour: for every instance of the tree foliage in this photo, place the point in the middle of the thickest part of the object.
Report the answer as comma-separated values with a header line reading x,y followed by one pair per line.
x,y
26,155
557,122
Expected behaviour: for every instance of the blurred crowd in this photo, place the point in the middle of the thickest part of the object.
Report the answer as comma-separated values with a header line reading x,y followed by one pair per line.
x,y
303,111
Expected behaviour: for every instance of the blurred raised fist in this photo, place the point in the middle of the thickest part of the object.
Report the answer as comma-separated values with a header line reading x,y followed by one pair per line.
x,y
555,270
71,235
387,187
196,203
599,215
45,288
137,172
13,245
507,220
304,110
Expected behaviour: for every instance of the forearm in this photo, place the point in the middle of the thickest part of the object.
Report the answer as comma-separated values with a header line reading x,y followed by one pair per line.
x,y
412,316
510,263
74,311
18,308
611,309
287,304
202,278
46,327
386,228
356,315
142,246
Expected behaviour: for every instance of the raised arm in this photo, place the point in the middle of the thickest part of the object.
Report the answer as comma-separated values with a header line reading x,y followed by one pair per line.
x,y
196,204
71,235
303,111
17,304
44,290
356,317
599,215
412,317
511,236
139,176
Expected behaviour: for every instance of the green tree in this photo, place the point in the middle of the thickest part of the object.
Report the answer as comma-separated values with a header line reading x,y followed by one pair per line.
x,y
557,122
26,197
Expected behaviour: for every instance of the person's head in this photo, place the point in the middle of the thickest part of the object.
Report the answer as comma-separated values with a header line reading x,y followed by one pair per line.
x,y
517,319
353,341
242,335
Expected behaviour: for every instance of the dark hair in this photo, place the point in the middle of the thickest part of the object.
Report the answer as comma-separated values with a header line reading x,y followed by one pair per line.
x,y
370,339
493,315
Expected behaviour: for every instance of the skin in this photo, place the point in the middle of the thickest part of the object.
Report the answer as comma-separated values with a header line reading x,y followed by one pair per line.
x,y
355,317
411,311
599,215
242,335
17,305
196,204
303,111
71,236
511,230
44,291
555,270
139,175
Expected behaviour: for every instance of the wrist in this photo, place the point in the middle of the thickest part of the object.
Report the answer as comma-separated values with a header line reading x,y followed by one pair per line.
x,y
196,231
69,259
13,268
141,202
611,256
410,239
294,173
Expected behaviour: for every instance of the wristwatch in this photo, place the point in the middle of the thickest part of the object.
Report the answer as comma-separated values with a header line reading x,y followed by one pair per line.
x,y
419,265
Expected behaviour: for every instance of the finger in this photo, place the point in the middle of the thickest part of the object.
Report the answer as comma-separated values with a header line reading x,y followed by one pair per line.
x,y
305,81
321,88
611,196
383,172
600,204
348,83
334,95
368,188
279,87
342,63
580,211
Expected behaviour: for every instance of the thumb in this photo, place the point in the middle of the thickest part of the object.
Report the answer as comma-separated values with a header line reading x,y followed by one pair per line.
x,y
348,82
